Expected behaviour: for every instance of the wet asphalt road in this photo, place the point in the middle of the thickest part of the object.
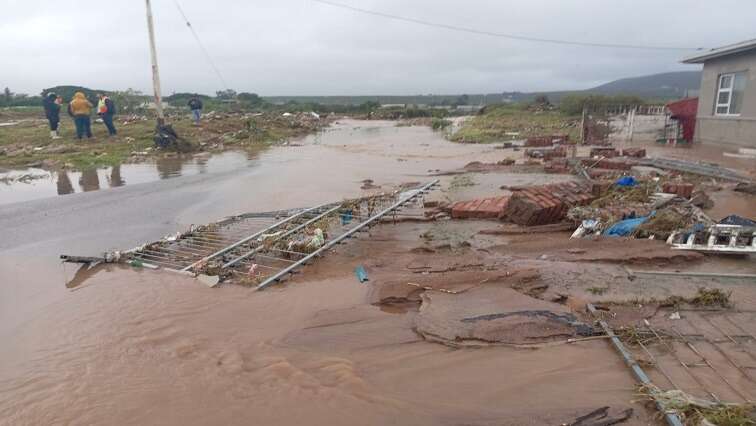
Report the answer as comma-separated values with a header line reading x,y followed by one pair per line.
x,y
33,234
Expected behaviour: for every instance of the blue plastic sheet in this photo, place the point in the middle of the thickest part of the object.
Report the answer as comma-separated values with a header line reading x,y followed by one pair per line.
x,y
626,181
626,227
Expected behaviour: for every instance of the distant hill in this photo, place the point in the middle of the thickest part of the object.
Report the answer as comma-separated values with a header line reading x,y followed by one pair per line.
x,y
665,86
669,84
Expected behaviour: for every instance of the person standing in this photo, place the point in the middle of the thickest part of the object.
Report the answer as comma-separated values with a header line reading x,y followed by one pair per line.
x,y
106,110
195,104
52,112
80,109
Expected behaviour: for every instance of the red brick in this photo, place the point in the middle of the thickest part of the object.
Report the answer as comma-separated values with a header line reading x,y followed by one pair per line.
x,y
600,188
482,208
549,140
682,189
604,152
538,141
634,152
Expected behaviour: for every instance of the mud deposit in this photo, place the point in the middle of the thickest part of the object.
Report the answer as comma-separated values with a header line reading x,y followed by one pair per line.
x,y
454,327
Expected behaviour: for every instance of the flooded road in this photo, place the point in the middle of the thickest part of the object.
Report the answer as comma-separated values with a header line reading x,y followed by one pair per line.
x,y
138,347
150,347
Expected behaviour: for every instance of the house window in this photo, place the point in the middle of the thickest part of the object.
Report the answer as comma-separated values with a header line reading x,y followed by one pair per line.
x,y
730,90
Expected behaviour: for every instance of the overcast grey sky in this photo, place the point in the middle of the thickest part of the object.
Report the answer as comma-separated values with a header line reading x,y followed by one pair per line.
x,y
300,47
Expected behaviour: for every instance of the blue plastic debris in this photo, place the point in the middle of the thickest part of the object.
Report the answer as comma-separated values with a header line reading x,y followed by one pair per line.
x,y
626,181
361,274
626,227
346,217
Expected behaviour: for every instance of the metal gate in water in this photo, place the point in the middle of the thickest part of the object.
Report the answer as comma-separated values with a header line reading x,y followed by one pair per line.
x,y
261,249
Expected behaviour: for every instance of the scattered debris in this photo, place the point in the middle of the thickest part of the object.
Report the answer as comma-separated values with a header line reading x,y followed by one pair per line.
x,y
704,297
704,169
600,417
698,411
361,274
748,188
719,238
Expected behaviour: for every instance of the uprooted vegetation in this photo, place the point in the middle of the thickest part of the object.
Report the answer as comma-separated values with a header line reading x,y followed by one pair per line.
x,y
505,122
695,411
705,297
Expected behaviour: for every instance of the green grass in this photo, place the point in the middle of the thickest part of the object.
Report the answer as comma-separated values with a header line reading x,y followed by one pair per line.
x,y
29,143
493,125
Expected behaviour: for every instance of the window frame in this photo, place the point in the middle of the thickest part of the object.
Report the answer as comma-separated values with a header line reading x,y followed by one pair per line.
x,y
729,90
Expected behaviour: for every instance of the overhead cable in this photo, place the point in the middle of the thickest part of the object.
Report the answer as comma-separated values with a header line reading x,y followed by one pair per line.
x,y
201,45
500,35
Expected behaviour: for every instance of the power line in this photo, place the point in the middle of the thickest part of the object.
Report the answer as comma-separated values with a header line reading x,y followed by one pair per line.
x,y
202,46
499,35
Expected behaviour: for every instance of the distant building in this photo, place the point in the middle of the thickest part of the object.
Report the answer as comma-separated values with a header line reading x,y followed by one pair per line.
x,y
727,99
389,106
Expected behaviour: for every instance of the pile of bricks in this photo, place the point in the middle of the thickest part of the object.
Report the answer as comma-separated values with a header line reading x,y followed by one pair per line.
x,y
546,153
601,187
684,190
482,208
604,152
542,141
558,166
542,205
634,152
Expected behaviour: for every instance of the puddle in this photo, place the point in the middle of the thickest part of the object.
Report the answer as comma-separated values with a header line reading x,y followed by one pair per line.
x,y
33,183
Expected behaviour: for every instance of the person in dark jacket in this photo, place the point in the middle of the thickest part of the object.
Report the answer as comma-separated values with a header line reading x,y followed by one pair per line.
x,y
195,104
52,112
106,110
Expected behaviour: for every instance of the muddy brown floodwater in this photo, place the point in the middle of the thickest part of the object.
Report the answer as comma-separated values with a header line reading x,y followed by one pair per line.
x,y
149,347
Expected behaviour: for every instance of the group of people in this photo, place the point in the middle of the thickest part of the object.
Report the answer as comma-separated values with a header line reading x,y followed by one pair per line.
x,y
80,109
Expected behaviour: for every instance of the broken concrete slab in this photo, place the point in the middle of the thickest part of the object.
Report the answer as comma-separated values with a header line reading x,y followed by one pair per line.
x,y
408,288
209,280
491,315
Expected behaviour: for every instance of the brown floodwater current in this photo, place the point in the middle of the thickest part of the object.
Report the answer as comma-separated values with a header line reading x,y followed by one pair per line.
x,y
124,346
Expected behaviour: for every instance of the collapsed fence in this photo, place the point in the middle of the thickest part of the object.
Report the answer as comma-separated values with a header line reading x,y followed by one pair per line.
x,y
261,249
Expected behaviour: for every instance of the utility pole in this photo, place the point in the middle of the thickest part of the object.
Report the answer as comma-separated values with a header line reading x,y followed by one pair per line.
x,y
155,73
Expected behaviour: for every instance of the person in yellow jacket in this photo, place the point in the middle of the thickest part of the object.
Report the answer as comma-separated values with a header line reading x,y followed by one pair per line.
x,y
80,109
